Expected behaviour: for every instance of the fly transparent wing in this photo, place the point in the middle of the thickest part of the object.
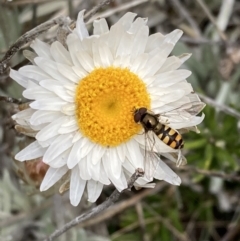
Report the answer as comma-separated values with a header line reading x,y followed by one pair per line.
x,y
184,112
150,160
156,168
150,165
153,147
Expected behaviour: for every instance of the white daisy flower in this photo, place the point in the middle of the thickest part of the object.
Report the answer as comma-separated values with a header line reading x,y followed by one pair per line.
x,y
83,98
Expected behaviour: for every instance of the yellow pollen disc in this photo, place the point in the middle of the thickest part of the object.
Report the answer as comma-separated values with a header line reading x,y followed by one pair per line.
x,y
105,100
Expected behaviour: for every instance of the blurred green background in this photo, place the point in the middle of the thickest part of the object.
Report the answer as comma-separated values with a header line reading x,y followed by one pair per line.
x,y
206,206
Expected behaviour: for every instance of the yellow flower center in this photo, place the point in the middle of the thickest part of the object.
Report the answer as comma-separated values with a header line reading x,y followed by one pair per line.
x,y
105,100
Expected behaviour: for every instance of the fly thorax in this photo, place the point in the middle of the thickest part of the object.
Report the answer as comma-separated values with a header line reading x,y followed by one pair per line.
x,y
149,121
158,128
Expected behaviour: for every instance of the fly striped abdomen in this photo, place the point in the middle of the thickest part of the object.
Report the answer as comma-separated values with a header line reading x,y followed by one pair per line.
x,y
169,136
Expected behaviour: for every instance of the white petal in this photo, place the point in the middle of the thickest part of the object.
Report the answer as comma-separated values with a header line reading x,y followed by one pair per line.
x,y
102,56
122,61
100,26
196,120
83,169
171,77
139,63
140,41
47,142
114,39
128,166
18,77
59,161
103,178
34,150
51,130
153,42
68,72
119,183
24,114
52,176
126,45
37,93
57,89
60,144
53,103
171,63
137,25
73,47
115,163
184,57
85,60
121,151
97,154
68,109
94,170
68,127
81,27
133,154
94,190
74,156
77,186
60,54
41,48
33,72
79,70
50,67
164,172
165,98
77,136
153,64
173,37
86,147
126,20
43,116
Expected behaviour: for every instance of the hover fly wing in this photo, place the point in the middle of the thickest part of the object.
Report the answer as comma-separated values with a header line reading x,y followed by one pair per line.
x,y
153,145
192,108
183,112
150,165
156,168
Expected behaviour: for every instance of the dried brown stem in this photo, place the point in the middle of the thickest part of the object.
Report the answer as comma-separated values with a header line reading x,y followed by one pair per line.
x,y
180,9
212,19
182,236
228,110
119,207
96,210
10,100
28,37
141,220
208,173
25,216
97,8
122,7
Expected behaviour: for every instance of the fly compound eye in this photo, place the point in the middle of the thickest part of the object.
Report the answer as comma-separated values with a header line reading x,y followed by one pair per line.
x,y
138,114
137,117
142,110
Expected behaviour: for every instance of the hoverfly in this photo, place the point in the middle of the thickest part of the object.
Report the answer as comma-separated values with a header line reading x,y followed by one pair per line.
x,y
157,131
150,122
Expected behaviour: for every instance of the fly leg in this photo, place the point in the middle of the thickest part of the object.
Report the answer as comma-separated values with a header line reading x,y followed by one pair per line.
x,y
181,159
